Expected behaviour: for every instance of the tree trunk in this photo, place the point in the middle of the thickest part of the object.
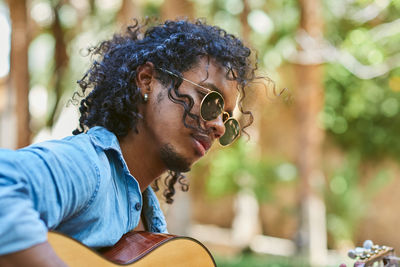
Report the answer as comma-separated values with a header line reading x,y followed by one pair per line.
x,y
61,63
309,102
172,9
243,21
19,72
129,10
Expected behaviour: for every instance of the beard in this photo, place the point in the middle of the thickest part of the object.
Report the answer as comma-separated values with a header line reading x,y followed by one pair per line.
x,y
173,160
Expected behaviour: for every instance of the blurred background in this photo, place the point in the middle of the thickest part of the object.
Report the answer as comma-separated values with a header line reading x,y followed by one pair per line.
x,y
320,172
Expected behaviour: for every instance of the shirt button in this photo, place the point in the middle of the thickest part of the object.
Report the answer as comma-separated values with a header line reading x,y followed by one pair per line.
x,y
137,206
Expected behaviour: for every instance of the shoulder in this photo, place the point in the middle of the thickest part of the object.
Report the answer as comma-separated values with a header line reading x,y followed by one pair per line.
x,y
79,157
87,147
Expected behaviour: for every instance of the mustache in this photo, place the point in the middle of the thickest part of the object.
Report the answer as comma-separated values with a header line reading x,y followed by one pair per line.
x,y
194,122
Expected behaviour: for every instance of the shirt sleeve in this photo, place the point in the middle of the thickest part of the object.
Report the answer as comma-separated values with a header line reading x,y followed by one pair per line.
x,y
20,226
40,187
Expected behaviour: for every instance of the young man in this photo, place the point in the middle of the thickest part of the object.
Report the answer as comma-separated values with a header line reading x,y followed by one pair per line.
x,y
158,98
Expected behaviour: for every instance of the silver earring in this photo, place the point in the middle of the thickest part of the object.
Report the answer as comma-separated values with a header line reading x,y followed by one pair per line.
x,y
145,97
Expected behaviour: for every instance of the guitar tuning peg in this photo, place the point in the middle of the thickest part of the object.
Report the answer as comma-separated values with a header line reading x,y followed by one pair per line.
x,y
368,244
366,254
352,254
359,250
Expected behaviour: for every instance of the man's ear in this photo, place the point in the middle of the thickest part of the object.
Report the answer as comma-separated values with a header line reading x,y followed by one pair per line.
x,y
145,76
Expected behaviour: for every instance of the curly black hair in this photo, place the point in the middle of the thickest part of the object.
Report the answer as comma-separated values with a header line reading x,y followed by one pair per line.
x,y
176,46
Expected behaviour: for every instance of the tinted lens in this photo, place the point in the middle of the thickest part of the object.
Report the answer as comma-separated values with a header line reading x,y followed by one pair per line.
x,y
211,106
232,131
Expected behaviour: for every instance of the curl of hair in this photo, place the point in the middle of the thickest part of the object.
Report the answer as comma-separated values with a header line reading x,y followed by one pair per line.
x,y
113,97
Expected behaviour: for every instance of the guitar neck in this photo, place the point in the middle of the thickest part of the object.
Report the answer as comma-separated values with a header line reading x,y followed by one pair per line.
x,y
374,256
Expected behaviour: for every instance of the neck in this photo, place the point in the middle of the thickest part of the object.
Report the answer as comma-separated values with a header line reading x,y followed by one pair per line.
x,y
142,158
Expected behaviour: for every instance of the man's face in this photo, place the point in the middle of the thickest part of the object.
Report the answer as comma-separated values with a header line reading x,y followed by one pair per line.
x,y
179,147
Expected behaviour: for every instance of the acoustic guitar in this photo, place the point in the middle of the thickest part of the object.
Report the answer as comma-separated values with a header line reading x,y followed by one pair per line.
x,y
135,249
373,255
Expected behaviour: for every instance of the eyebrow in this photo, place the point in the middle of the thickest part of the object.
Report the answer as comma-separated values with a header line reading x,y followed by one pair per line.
x,y
193,83
211,86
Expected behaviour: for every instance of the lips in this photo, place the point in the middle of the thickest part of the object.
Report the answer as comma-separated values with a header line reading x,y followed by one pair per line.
x,y
205,141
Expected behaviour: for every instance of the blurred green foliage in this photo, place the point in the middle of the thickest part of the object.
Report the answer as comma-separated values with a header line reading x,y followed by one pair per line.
x,y
363,114
348,199
255,260
240,166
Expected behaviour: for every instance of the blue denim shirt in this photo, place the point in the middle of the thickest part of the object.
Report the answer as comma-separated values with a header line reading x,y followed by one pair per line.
x,y
80,186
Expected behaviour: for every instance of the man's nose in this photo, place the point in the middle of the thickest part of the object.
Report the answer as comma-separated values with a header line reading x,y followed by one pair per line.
x,y
216,126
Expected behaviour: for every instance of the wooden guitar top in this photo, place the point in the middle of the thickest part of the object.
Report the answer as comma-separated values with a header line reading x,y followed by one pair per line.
x,y
135,249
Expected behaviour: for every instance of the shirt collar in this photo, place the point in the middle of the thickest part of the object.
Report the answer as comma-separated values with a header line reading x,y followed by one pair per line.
x,y
104,139
107,140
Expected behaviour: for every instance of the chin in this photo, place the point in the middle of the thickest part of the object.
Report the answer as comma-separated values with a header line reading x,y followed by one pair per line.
x,y
176,167
173,160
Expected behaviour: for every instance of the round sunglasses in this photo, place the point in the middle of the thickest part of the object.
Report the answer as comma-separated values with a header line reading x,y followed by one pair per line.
x,y
211,107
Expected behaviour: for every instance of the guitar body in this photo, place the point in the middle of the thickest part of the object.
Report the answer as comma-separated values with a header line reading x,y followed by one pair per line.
x,y
136,249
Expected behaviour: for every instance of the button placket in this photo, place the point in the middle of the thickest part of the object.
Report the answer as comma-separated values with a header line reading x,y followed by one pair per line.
x,y
138,206
134,198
